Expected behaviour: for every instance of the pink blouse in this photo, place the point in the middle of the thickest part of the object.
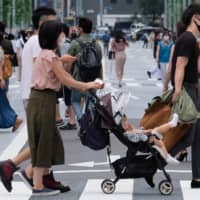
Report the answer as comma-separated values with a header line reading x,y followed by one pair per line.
x,y
43,76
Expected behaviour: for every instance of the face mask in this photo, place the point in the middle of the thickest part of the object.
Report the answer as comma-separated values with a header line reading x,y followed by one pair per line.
x,y
198,26
166,38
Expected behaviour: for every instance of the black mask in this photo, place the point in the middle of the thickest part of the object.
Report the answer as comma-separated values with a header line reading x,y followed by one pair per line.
x,y
198,26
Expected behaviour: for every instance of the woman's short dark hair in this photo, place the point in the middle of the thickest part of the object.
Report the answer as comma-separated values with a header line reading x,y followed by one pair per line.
x,y
85,24
49,33
193,9
39,12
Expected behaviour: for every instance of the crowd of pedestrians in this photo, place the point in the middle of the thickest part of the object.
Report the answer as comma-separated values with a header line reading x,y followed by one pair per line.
x,y
52,65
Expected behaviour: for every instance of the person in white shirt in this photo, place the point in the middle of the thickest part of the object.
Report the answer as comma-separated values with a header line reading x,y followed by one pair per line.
x,y
20,42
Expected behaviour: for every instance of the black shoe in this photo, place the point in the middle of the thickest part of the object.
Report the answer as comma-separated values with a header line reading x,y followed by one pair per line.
x,y
68,126
149,74
182,156
7,169
28,182
60,123
195,184
149,181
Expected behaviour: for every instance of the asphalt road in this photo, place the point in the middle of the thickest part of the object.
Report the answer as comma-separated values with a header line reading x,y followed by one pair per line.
x,y
85,169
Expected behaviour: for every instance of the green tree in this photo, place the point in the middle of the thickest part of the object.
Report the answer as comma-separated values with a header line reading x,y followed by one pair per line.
x,y
21,10
151,7
6,10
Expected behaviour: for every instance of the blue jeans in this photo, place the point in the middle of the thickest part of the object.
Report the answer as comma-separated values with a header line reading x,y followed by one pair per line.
x,y
76,97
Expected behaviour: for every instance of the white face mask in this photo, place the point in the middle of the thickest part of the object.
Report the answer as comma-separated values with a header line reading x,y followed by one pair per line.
x,y
166,38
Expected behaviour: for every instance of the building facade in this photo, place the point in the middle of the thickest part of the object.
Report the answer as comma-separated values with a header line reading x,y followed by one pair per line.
x,y
103,12
174,10
59,5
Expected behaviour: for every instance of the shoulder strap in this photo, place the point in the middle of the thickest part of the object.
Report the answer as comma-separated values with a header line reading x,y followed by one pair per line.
x,y
81,43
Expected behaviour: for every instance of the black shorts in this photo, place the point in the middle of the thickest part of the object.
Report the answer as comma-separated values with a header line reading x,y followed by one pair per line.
x,y
67,96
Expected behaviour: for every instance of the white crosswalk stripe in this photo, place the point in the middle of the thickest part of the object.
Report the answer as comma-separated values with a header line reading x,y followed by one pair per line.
x,y
20,192
124,190
188,193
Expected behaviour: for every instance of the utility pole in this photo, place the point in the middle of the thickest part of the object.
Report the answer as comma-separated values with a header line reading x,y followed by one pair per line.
x,y
166,14
13,14
68,7
35,4
79,8
1,10
101,12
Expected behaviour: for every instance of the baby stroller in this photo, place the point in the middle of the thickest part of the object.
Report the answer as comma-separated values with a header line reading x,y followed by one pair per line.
x,y
141,160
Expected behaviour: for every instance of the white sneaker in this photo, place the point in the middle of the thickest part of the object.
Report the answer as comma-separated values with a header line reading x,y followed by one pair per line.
x,y
174,122
169,159
172,160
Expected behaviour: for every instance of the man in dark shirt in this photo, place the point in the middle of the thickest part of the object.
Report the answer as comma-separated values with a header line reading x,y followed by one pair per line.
x,y
186,48
185,73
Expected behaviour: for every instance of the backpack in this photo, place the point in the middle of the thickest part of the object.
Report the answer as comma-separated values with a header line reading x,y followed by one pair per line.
x,y
89,63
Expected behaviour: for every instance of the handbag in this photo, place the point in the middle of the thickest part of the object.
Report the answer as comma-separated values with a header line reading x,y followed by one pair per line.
x,y
91,134
111,55
159,113
7,69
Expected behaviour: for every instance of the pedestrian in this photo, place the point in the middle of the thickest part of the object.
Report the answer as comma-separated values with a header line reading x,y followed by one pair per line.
x,y
8,117
19,48
111,55
30,52
145,39
185,73
180,28
151,40
69,112
119,45
76,49
163,54
9,53
106,39
44,139
183,154
155,70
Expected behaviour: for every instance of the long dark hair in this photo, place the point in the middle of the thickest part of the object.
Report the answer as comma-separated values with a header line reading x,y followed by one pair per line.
x,y
119,36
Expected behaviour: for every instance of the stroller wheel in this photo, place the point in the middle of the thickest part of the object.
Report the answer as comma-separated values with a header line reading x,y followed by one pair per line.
x,y
108,186
166,188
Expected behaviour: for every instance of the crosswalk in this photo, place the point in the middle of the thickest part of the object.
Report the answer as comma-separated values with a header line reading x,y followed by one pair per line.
x,y
92,190
125,190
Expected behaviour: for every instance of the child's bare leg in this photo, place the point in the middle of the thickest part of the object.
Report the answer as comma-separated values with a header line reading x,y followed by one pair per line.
x,y
166,127
160,144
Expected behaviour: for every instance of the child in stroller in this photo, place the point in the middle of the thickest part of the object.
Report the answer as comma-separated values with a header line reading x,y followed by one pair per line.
x,y
143,158
153,136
